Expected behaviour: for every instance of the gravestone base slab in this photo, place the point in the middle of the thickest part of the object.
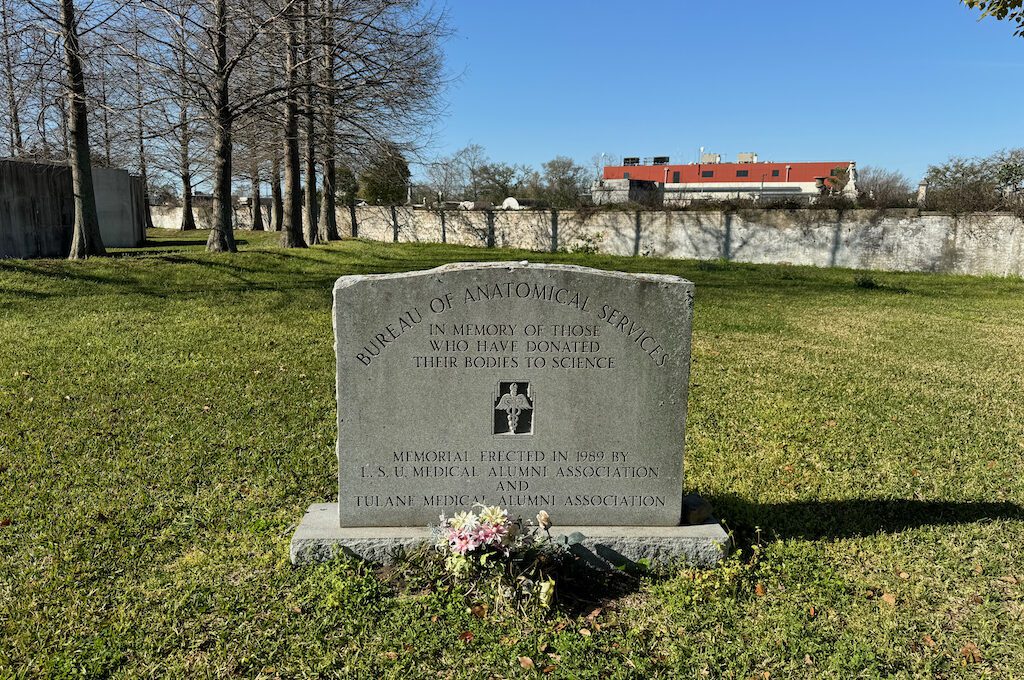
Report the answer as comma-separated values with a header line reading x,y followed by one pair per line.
x,y
319,538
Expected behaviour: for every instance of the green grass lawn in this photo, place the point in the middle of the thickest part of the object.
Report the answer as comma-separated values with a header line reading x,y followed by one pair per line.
x,y
166,416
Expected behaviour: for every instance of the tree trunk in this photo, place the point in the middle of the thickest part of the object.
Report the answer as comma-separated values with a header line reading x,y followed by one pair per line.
x,y
292,236
44,140
105,111
85,240
328,206
222,235
276,200
144,175
309,217
140,129
16,142
352,217
65,132
188,218
309,220
257,202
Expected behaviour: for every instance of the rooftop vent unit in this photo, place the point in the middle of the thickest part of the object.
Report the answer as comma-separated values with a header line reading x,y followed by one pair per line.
x,y
711,158
631,160
748,157
661,160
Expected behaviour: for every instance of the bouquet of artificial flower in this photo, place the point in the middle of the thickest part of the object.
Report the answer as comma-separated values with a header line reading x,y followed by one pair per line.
x,y
478,539
468,536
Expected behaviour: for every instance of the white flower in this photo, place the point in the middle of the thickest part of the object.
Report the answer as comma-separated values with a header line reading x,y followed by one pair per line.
x,y
463,520
492,514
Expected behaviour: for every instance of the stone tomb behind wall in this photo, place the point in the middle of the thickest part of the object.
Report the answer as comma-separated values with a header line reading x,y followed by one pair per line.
x,y
529,386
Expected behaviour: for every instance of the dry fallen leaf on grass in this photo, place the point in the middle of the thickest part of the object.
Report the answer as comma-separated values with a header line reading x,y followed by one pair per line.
x,y
526,662
466,636
759,590
971,652
889,598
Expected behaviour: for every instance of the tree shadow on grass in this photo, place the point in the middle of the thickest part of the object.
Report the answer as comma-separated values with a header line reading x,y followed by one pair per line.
x,y
300,274
851,518
295,272
157,246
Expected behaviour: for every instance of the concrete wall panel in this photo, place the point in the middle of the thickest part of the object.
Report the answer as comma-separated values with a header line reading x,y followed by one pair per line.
x,y
37,209
894,240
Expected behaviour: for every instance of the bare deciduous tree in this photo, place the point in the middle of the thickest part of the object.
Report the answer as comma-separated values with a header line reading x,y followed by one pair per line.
x,y
292,236
328,224
188,81
10,39
309,222
883,188
85,239
64,21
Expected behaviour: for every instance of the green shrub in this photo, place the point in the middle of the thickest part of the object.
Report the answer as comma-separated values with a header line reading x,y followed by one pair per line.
x,y
865,281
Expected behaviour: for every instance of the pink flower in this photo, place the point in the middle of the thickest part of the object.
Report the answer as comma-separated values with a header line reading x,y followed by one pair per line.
x,y
506,532
486,534
463,542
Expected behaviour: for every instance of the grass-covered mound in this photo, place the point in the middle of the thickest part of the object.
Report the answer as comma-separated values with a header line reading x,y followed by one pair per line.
x,y
166,417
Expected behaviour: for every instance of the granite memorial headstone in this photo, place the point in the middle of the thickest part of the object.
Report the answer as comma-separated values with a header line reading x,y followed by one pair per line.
x,y
529,386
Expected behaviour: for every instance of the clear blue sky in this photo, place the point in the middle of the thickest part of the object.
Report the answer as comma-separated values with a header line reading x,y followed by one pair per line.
x,y
895,84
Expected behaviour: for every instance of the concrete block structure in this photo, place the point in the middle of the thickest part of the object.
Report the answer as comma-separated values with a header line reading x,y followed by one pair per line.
x,y
37,209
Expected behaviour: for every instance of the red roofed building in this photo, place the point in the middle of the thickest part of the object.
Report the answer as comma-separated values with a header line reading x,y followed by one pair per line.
x,y
711,179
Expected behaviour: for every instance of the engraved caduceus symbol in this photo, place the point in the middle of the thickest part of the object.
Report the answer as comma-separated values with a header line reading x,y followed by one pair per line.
x,y
513,404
